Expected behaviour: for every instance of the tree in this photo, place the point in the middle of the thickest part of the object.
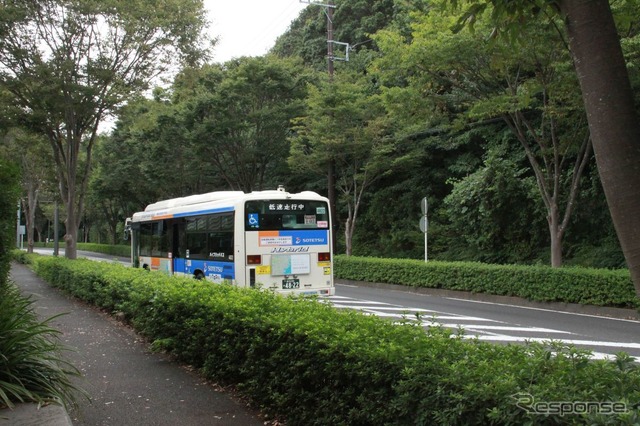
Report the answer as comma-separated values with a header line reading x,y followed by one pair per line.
x,y
69,64
345,123
474,81
31,152
354,22
240,118
609,102
494,212
112,187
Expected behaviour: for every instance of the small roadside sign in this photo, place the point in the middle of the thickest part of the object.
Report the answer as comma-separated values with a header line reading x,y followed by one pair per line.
x,y
424,224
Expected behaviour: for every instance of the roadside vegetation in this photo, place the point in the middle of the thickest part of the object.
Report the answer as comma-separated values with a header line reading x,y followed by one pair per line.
x,y
303,361
33,367
586,286
491,129
32,363
475,105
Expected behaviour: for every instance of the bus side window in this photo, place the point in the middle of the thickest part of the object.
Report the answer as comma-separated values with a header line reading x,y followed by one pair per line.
x,y
221,245
145,239
197,244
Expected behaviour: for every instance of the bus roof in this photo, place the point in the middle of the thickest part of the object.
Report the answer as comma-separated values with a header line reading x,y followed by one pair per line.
x,y
193,199
202,202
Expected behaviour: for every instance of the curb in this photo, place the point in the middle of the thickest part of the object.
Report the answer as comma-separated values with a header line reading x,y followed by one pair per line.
x,y
31,414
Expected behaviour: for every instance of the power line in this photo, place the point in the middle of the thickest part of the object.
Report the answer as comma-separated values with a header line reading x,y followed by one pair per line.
x,y
276,22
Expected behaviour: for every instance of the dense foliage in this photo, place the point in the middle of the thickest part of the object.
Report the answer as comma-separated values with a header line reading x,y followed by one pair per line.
x,y
32,368
304,361
67,65
491,130
354,22
9,193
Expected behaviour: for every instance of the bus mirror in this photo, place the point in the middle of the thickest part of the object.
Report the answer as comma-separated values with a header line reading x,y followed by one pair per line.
x,y
127,229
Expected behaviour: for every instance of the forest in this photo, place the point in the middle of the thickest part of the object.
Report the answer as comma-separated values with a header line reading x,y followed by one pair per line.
x,y
437,101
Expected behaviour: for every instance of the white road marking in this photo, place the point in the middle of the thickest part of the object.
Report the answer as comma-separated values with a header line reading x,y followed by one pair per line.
x,y
505,328
390,308
505,338
486,330
544,310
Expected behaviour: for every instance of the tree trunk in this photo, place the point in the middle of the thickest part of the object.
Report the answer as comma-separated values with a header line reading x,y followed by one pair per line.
x,y
613,121
29,208
348,231
556,234
71,225
331,195
70,238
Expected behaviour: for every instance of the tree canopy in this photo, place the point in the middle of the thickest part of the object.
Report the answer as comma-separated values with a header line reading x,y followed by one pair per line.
x,y
614,125
69,64
474,104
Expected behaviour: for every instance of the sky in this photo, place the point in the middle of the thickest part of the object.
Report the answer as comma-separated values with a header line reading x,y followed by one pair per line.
x,y
249,27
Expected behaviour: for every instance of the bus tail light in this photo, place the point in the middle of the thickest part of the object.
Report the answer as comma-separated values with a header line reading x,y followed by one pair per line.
x,y
324,257
254,259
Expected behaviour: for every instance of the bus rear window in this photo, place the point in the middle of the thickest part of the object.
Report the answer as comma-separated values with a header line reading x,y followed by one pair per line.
x,y
273,215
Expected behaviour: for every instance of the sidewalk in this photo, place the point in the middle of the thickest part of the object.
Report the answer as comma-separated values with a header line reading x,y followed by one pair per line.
x,y
128,384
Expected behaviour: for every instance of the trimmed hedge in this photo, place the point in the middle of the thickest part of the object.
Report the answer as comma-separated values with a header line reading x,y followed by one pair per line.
x,y
311,364
600,287
114,250
122,250
587,286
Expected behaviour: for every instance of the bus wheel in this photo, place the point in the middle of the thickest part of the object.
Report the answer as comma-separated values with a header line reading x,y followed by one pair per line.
x,y
198,275
146,267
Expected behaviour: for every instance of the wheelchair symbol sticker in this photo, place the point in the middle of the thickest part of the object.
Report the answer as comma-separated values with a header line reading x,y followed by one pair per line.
x,y
253,220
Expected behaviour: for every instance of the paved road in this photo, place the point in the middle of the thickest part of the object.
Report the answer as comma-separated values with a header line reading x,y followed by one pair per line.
x,y
127,383
503,320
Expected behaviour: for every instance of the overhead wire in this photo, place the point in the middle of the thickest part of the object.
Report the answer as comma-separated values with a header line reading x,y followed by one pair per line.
x,y
275,23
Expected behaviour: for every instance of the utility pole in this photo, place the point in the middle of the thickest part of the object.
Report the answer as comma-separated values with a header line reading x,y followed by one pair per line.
x,y
331,173
329,11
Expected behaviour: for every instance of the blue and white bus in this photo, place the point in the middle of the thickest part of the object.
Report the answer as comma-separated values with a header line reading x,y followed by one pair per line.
x,y
267,239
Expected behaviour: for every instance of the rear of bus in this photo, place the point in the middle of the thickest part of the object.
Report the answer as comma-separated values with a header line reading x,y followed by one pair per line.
x,y
288,244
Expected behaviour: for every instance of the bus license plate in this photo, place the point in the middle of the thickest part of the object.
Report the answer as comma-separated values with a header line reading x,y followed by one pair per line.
x,y
290,284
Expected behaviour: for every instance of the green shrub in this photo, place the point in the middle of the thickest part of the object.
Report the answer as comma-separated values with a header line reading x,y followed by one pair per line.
x,y
9,193
114,250
32,368
314,365
587,286
121,250
21,256
601,287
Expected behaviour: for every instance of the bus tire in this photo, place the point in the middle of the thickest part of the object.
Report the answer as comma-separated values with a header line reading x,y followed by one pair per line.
x,y
198,275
